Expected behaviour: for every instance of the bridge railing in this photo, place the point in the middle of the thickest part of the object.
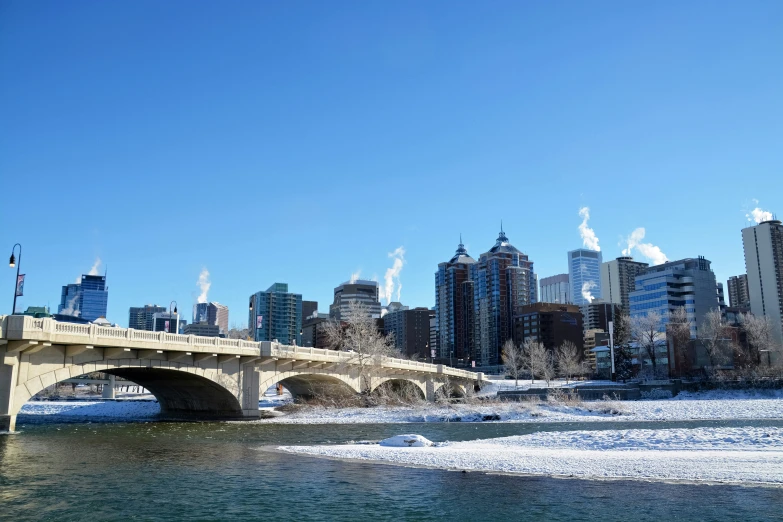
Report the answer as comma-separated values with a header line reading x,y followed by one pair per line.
x,y
17,327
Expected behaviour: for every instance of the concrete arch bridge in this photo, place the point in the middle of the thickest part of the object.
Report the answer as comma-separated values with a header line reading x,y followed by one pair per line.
x,y
191,376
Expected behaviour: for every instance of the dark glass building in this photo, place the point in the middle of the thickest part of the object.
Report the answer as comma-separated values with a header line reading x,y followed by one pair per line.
x,y
87,299
141,317
454,307
276,314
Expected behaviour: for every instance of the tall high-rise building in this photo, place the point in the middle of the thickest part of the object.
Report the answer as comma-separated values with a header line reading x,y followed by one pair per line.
x,y
140,317
555,289
87,299
454,306
739,297
362,291
276,314
663,288
764,265
584,273
433,346
309,308
213,314
504,282
411,330
618,278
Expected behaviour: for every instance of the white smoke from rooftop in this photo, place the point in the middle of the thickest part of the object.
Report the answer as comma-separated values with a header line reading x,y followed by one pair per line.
x,y
392,278
758,215
355,276
95,266
203,283
648,250
586,293
589,239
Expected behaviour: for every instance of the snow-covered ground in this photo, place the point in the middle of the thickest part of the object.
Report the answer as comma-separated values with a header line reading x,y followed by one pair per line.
x,y
737,455
716,405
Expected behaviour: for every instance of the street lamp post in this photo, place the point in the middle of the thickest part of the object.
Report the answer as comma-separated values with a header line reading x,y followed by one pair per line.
x,y
176,330
13,262
611,348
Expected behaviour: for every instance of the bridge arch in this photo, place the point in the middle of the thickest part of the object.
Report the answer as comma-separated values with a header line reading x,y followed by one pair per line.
x,y
453,391
312,382
182,390
398,383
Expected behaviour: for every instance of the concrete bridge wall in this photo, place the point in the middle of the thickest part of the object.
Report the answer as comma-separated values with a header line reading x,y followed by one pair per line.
x,y
192,377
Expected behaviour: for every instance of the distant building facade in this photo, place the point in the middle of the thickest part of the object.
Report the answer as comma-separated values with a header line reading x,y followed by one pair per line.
x,y
598,314
555,289
202,329
763,246
87,299
550,324
141,317
618,280
312,330
688,283
213,314
584,273
168,322
309,308
276,314
739,297
411,330
362,291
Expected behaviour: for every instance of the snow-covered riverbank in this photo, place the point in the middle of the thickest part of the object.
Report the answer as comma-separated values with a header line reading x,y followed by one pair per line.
x,y
714,405
734,455
686,406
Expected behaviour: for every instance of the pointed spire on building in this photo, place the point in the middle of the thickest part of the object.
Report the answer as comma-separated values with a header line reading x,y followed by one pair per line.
x,y
502,236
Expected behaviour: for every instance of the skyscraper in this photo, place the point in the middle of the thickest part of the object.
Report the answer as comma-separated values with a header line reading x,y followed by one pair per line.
x,y
555,289
618,278
360,290
140,317
504,282
87,299
276,314
584,272
738,292
309,308
663,288
763,245
213,314
454,306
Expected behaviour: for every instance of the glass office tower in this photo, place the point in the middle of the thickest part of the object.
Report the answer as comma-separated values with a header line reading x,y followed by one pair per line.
x,y
584,272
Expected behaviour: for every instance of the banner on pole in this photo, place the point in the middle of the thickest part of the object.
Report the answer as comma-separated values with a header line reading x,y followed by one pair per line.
x,y
20,285
259,321
166,327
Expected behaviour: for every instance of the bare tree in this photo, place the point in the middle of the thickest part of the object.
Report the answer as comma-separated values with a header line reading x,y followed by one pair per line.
x,y
569,360
714,337
759,334
538,360
358,335
513,360
679,330
240,331
645,330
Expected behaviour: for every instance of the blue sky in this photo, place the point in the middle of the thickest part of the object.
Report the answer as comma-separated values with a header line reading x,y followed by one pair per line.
x,y
301,142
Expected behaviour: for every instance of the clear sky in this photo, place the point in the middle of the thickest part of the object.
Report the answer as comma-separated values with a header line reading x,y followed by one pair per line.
x,y
301,142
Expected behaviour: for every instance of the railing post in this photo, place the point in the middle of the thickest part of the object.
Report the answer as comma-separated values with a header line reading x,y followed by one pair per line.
x,y
129,333
161,337
92,331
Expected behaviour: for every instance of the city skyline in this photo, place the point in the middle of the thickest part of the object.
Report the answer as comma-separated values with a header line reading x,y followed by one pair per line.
x,y
376,128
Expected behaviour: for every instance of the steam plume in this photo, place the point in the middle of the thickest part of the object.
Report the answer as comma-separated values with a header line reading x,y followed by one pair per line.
x,y
95,266
204,283
589,239
392,277
355,276
759,215
586,293
68,310
648,250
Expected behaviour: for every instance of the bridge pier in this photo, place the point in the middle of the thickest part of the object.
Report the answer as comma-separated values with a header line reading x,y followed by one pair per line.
x,y
9,371
108,389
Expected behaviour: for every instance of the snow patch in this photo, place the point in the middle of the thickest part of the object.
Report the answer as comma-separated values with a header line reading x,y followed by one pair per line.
x,y
406,441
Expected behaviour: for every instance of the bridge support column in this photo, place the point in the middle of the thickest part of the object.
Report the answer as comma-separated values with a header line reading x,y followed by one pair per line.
x,y
9,373
430,387
108,389
250,382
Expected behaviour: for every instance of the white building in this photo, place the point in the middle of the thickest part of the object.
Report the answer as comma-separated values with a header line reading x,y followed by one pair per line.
x,y
763,245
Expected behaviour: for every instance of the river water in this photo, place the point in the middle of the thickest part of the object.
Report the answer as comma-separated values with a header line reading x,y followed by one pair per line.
x,y
221,471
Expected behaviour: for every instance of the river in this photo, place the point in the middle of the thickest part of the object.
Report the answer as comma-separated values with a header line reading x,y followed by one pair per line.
x,y
221,471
